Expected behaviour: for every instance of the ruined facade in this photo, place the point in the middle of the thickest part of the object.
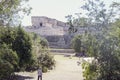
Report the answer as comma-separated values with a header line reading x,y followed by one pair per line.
x,y
46,22
56,32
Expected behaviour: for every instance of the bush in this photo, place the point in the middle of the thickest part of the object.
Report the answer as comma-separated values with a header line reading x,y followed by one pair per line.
x,y
90,72
20,43
9,55
106,54
8,61
46,61
44,43
32,66
44,69
76,43
6,69
23,47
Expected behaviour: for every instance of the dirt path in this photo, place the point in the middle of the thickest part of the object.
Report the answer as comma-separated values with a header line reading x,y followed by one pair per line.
x,y
66,69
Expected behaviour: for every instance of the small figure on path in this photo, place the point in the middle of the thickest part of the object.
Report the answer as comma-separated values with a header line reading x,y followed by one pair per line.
x,y
39,73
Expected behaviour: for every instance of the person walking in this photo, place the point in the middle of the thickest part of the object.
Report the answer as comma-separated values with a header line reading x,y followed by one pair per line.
x,y
40,74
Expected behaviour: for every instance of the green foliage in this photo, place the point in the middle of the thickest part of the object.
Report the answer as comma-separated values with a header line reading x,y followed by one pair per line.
x,y
90,44
105,50
9,55
7,35
81,21
32,66
44,69
46,61
8,61
39,44
44,43
107,59
6,69
23,47
103,45
19,42
15,44
10,11
98,14
90,71
72,28
40,49
78,22
76,43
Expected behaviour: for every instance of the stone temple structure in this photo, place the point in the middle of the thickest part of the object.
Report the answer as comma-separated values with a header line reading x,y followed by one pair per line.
x,y
56,32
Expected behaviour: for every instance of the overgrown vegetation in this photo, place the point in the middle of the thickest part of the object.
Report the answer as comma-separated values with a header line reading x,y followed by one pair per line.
x,y
103,44
8,61
15,49
42,55
76,43
46,61
18,50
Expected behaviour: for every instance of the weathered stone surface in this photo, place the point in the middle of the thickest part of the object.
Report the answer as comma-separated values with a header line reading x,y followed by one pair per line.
x,y
56,32
53,30
42,21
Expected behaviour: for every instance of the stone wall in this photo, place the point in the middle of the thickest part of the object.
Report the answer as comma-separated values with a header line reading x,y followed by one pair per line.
x,y
51,29
42,21
56,32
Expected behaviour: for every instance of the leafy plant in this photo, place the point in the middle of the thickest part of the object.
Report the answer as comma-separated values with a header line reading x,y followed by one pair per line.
x,y
76,43
46,61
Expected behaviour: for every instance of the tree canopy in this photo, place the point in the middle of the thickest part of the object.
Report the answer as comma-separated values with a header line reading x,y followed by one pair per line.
x,y
11,11
103,44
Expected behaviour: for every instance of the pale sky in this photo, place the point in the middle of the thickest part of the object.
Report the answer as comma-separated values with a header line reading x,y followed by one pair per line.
x,y
56,9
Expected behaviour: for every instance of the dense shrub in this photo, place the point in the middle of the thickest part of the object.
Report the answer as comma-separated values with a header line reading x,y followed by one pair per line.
x,y
46,61
107,59
76,43
32,66
6,69
17,52
44,43
7,35
23,47
8,61
44,69
7,54
19,42
40,49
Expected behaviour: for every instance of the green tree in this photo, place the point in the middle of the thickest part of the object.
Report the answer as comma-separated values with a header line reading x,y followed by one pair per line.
x,y
72,28
46,61
9,55
100,15
81,22
6,69
7,35
44,43
106,58
8,61
23,47
104,45
10,11
76,43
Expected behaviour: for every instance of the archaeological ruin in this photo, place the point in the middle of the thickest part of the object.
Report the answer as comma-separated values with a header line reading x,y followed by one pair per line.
x,y
56,32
